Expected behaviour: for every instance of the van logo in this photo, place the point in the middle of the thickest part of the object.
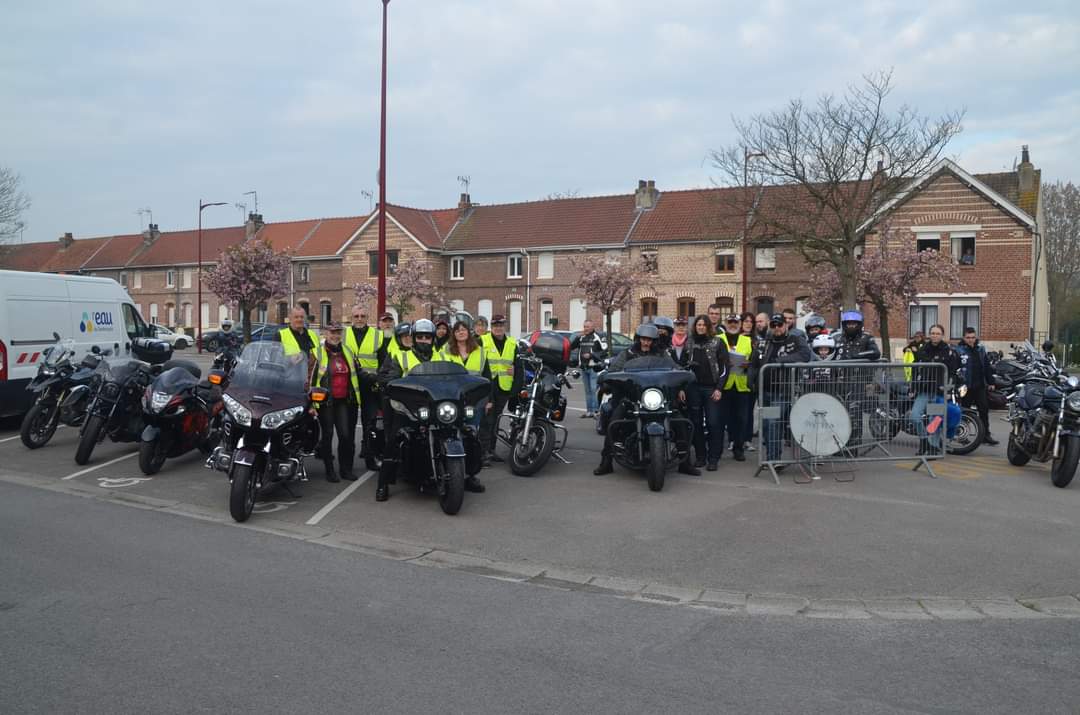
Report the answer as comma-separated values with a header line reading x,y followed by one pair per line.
x,y
97,319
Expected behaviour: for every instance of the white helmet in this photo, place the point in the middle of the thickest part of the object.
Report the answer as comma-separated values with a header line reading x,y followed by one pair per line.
x,y
824,340
226,325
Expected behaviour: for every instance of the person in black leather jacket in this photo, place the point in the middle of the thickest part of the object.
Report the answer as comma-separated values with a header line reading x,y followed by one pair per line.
x,y
928,385
978,376
780,347
707,357
855,344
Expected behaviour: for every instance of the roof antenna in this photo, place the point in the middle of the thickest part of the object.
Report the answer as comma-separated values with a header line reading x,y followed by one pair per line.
x,y
141,213
464,181
370,199
243,211
256,195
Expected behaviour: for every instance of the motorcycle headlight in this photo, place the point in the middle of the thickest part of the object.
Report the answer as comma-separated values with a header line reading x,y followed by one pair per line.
x,y
423,413
470,412
239,413
158,400
1073,402
446,412
273,420
652,399
1073,382
47,372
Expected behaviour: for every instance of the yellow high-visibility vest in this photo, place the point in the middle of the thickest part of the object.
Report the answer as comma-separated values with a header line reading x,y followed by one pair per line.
x,y
501,363
367,352
350,358
474,363
739,361
407,361
292,347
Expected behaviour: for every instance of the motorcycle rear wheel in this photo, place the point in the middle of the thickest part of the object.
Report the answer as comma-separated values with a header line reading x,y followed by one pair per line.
x,y
526,460
152,456
884,426
1016,456
1063,468
89,439
969,434
450,500
657,462
242,492
39,425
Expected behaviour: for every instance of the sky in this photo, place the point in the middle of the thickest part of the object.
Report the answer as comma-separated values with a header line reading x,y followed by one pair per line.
x,y
113,106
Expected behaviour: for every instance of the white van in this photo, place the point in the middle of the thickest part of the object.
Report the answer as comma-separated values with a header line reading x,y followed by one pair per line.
x,y
90,311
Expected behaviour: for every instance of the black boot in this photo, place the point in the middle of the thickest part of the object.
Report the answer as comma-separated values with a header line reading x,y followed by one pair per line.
x,y
687,468
990,441
331,473
606,467
386,477
472,484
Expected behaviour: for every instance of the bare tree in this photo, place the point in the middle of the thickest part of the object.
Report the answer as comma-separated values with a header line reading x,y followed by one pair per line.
x,y
12,204
1061,232
838,160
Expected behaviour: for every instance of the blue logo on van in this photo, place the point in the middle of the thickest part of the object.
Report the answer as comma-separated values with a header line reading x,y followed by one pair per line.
x,y
92,321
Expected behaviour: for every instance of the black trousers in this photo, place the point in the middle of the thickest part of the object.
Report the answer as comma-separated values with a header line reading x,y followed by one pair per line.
x,y
334,417
489,427
369,410
734,418
977,396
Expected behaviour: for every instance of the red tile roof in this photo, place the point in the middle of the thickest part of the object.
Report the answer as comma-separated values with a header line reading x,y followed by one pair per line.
x,y
1007,183
74,256
596,220
27,256
180,247
329,235
693,215
118,251
287,235
422,223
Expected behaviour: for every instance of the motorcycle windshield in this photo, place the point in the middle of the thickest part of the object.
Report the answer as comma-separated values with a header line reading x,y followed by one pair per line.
x,y
120,372
264,370
174,380
437,381
651,371
59,351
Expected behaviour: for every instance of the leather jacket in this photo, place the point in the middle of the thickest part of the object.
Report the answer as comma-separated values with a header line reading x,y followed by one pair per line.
x,y
790,348
861,347
716,353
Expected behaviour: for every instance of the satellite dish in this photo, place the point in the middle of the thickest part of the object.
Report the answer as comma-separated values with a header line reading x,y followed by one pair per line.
x,y
820,424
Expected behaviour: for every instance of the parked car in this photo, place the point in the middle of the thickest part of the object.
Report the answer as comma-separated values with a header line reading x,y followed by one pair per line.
x,y
179,341
620,343
259,331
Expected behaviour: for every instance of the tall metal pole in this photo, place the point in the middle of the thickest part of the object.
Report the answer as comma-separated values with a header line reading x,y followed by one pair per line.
x,y
198,303
382,173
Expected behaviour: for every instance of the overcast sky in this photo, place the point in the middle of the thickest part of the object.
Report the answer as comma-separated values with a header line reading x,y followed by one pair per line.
x,y
107,107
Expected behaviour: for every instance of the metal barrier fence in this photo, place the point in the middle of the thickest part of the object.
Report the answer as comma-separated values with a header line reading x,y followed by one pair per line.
x,y
835,415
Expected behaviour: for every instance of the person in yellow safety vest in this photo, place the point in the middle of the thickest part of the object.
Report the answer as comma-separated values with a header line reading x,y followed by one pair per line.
x,y
337,367
369,347
501,352
296,339
402,340
736,397
911,350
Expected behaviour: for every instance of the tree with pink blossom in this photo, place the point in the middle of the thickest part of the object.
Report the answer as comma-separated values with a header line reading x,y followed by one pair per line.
x,y
365,295
409,285
889,278
610,284
249,274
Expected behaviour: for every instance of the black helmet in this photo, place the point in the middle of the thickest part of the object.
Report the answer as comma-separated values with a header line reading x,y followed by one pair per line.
x,y
815,321
647,330
403,330
662,322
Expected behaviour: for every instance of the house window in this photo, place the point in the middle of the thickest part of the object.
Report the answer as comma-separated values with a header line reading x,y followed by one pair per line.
x,y
260,314
325,313
513,266
765,258
187,314
545,267
457,268
137,277
651,260
282,313
123,279
373,262
170,314
153,312
222,313
960,317
483,307
928,241
963,248
307,309
859,251
170,278
305,273
686,308
187,278
727,305
725,261
921,317
648,309
765,304
800,307
547,314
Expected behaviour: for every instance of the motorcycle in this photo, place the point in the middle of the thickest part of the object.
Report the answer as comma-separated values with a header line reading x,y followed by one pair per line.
x,y
180,413
533,433
436,403
644,439
268,427
1044,412
115,408
58,379
964,428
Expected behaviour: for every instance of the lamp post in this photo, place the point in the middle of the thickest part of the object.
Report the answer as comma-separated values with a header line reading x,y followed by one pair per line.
x,y
382,173
747,156
198,334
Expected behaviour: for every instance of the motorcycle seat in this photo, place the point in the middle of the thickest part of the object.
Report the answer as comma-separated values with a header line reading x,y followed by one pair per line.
x,y
191,367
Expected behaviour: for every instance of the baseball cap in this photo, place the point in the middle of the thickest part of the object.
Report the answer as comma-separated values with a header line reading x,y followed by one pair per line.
x,y
498,319
776,319
680,321
732,319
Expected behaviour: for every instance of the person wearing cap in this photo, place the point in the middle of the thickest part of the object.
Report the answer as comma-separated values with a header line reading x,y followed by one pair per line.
x,y
679,345
501,352
339,376
734,415
779,348
591,353
297,339
368,347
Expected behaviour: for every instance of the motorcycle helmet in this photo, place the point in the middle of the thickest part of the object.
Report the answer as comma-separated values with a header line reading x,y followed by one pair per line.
x,y
815,324
423,327
226,325
847,318
824,342
665,328
403,330
646,330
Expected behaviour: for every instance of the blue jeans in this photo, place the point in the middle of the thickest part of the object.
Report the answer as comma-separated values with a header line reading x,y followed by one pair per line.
x,y
704,409
588,377
773,429
918,418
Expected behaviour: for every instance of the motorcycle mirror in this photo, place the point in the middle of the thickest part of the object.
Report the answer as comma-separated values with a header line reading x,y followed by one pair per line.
x,y
56,335
96,350
1048,346
319,394
576,374
216,377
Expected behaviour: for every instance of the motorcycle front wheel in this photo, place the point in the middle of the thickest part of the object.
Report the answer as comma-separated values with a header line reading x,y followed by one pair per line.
x,y
454,494
89,439
242,492
1016,456
1063,468
39,425
969,434
657,462
152,455
527,459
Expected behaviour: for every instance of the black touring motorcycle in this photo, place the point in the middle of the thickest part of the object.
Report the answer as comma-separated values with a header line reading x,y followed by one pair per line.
x,y
57,380
181,413
269,426
644,439
439,447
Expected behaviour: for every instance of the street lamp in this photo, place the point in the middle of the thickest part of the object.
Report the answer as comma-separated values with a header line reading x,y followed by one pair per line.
x,y
198,334
382,173
747,156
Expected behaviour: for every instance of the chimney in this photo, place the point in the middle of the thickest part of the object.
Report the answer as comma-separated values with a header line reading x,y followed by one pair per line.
x,y
646,195
65,241
151,234
1026,171
252,225
464,204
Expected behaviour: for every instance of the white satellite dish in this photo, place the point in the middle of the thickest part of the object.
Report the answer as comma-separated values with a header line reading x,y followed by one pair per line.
x,y
820,424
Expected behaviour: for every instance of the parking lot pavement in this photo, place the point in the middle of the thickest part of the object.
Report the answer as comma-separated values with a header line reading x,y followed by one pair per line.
x,y
983,530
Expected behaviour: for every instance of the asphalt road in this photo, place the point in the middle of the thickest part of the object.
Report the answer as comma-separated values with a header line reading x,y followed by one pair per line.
x,y
104,608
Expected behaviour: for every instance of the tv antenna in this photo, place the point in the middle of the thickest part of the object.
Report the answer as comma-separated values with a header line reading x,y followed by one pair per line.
x,y
141,212
256,195
242,207
464,181
370,199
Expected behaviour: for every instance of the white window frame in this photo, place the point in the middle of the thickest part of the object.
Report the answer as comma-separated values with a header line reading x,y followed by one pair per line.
x,y
170,277
725,252
186,277
153,312
305,273
326,310
549,258
136,277
964,304
956,242
928,236
613,256
457,268
515,260
651,259
765,258
484,307
124,279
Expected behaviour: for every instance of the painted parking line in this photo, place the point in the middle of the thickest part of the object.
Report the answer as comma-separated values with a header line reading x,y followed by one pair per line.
x,y
8,439
339,498
99,466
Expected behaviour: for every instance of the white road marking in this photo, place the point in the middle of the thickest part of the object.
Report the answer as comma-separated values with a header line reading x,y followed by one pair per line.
x,y
8,439
339,498
99,466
